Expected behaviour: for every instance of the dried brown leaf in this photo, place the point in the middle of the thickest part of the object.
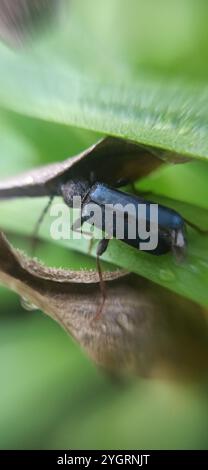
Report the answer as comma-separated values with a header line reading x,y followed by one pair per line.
x,y
143,329
110,160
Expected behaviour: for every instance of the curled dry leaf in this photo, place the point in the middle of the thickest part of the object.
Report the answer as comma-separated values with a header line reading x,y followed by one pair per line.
x,y
143,329
110,160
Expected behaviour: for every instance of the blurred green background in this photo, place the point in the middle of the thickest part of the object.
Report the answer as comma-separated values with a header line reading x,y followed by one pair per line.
x,y
51,395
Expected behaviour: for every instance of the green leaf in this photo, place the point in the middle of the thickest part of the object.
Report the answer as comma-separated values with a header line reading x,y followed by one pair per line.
x,y
89,75
189,278
40,361
144,110
83,77
186,183
138,70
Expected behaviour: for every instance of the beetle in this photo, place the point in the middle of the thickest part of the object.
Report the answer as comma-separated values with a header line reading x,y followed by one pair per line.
x,y
111,161
171,225
113,202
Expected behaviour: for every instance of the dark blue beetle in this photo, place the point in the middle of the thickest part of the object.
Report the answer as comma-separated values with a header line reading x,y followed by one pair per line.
x,y
88,175
171,226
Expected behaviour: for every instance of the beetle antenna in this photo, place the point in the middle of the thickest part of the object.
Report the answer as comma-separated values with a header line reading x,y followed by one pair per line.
x,y
196,227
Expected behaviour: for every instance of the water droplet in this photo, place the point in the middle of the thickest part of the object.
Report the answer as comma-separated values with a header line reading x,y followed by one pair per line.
x,y
104,328
193,268
27,305
166,275
123,321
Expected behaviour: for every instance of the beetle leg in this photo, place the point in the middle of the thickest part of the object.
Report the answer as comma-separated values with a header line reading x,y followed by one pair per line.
x,y
38,224
101,248
77,226
91,242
